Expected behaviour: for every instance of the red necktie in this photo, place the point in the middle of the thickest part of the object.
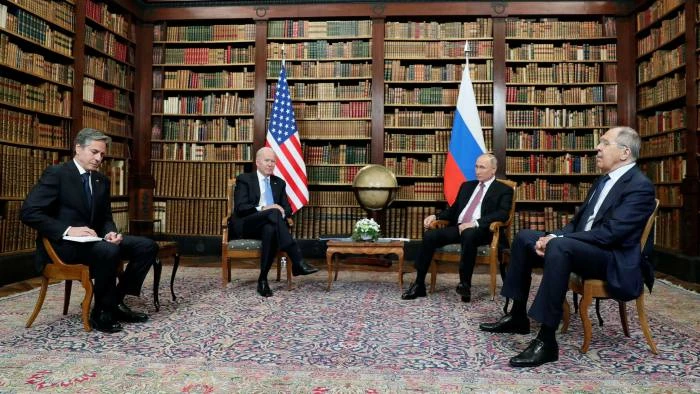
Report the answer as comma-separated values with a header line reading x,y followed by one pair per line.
x,y
472,207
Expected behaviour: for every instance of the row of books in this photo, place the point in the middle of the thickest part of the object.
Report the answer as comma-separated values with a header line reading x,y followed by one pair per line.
x,y
101,120
117,170
330,109
441,119
340,154
565,53
120,216
21,168
188,79
672,169
661,121
211,130
660,63
665,90
546,220
45,97
664,144
541,139
118,149
541,164
411,166
110,71
436,142
436,95
163,32
34,63
211,104
106,97
554,28
100,13
421,191
656,11
192,217
324,91
669,195
197,152
106,42
23,128
667,232
399,71
312,222
669,29
193,180
564,96
14,235
36,30
319,197
318,29
59,12
324,129
558,118
543,190
406,222
337,175
319,50
185,56
438,49
562,73
481,28
320,69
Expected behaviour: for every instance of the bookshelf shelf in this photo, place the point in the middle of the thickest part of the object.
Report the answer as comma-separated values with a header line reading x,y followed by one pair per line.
x,y
31,145
120,35
37,45
205,65
34,111
202,42
105,54
34,75
646,19
108,83
110,109
237,115
64,11
669,42
204,89
661,75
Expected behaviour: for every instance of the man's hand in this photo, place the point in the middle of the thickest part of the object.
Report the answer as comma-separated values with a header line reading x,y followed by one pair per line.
x,y
541,245
464,226
114,238
428,221
273,206
81,232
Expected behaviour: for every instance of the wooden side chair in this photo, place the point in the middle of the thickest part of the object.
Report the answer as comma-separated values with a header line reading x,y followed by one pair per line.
x,y
58,270
245,249
486,254
595,288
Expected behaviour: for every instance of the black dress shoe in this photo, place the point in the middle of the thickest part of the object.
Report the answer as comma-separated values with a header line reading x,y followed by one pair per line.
x,y
125,314
508,324
465,291
104,322
264,288
537,353
303,268
416,290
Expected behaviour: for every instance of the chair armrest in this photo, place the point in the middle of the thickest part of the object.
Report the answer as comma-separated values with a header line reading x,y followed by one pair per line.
x,y
438,224
224,229
495,226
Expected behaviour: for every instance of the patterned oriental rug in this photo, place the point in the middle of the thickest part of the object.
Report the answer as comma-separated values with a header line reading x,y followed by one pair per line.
x,y
358,338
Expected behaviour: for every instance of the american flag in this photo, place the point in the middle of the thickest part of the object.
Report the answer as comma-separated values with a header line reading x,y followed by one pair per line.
x,y
283,138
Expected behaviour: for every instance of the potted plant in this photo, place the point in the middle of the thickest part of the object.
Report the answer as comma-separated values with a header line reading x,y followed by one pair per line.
x,y
366,230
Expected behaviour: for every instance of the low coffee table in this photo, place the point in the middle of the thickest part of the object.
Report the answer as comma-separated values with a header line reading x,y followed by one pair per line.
x,y
381,247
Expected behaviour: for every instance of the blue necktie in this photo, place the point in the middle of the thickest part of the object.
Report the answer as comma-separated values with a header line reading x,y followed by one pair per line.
x,y
581,225
268,193
86,187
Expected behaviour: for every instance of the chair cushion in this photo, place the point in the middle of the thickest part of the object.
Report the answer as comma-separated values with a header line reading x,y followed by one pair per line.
x,y
482,250
244,244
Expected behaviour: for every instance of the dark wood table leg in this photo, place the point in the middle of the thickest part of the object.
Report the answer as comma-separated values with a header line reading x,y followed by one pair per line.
x,y
172,275
157,269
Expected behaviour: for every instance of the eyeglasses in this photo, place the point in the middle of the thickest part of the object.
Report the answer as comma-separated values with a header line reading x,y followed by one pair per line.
x,y
607,143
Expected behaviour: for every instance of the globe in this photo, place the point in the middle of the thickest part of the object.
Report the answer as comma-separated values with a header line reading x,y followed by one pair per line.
x,y
374,187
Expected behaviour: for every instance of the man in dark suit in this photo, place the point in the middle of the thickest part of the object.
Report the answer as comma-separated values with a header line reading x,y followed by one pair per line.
x,y
73,199
601,242
260,211
479,203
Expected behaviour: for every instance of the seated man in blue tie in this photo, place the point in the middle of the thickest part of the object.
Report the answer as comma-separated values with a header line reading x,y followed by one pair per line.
x,y
479,203
259,212
73,199
601,242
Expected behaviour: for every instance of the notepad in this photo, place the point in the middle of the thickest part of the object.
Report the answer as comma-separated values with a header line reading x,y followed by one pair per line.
x,y
81,239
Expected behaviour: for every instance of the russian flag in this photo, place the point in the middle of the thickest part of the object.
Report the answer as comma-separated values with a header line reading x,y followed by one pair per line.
x,y
466,141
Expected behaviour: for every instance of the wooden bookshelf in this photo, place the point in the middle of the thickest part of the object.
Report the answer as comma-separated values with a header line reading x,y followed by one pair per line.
x,y
202,120
36,89
561,95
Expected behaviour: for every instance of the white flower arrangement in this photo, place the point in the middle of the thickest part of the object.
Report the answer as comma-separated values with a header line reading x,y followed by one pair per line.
x,y
366,230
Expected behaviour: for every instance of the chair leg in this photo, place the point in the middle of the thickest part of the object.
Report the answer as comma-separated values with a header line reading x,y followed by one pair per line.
x,y
566,317
597,312
433,275
87,300
623,318
157,271
575,299
39,301
494,272
66,298
176,264
225,271
279,267
586,301
645,323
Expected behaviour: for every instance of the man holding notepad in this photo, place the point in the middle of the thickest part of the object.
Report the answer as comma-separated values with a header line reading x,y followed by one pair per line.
x,y
70,206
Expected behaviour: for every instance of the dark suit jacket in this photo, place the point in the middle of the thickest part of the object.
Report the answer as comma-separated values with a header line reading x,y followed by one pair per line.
x,y
495,205
618,227
58,201
246,197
